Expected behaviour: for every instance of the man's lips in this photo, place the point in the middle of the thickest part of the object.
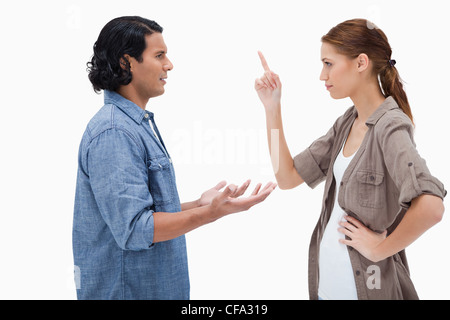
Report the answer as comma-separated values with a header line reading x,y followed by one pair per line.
x,y
328,87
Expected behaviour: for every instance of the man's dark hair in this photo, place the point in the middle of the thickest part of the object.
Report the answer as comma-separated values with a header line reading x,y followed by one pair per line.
x,y
120,36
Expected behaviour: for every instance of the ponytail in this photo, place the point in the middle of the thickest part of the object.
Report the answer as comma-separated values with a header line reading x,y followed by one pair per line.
x,y
391,84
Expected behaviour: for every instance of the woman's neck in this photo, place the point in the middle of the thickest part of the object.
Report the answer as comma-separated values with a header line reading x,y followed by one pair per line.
x,y
367,99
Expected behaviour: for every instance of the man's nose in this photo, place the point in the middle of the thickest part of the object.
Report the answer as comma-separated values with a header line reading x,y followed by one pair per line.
x,y
168,65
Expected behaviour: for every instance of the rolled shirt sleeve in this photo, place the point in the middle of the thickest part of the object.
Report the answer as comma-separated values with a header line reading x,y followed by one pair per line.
x,y
119,181
404,164
312,164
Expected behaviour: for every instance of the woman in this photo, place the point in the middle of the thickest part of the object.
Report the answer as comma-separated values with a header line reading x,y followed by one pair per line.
x,y
379,194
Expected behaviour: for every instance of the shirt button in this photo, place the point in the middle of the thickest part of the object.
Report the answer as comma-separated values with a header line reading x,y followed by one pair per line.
x,y
146,116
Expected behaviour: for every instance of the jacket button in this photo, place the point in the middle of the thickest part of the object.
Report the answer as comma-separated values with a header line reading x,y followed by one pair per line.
x,y
342,183
372,178
410,164
357,272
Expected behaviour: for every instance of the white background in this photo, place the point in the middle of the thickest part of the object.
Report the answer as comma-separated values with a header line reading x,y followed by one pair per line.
x,y
213,125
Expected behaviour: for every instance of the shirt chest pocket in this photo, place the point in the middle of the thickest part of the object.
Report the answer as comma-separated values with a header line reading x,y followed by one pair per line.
x,y
371,189
160,180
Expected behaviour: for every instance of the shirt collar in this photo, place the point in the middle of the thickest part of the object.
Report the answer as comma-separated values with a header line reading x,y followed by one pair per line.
x,y
388,104
129,108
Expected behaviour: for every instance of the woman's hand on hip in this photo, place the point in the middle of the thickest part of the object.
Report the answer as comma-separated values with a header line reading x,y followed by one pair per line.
x,y
364,240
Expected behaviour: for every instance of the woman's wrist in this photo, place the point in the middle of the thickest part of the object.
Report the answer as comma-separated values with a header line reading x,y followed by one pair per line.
x,y
272,109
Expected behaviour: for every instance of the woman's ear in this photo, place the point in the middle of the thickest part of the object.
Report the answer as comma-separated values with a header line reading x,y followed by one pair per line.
x,y
363,62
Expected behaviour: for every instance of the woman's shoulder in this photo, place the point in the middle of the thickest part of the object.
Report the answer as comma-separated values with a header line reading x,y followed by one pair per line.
x,y
394,119
349,115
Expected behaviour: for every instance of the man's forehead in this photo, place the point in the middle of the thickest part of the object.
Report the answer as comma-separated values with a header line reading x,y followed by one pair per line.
x,y
155,42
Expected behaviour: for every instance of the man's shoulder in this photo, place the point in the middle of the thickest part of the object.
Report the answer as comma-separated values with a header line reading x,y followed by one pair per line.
x,y
101,121
108,117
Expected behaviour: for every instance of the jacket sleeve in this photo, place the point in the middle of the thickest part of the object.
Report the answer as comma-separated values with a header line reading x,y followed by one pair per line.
x,y
404,164
119,181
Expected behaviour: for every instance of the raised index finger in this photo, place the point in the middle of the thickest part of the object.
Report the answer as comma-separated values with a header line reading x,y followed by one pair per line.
x,y
263,61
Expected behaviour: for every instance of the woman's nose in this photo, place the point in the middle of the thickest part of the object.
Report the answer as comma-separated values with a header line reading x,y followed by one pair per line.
x,y
323,76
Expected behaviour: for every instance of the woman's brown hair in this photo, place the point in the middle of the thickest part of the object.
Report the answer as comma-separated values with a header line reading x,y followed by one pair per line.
x,y
356,36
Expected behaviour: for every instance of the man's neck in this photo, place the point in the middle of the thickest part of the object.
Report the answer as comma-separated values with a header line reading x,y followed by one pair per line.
x,y
129,93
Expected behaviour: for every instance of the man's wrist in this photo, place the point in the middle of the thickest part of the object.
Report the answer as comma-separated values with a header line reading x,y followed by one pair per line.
x,y
204,214
190,205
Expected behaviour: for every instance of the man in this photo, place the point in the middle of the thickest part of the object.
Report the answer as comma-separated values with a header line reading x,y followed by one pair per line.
x,y
129,225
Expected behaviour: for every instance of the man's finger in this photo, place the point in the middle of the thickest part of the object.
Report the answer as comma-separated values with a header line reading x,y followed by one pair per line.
x,y
247,203
261,196
268,185
228,191
220,185
263,61
239,192
255,192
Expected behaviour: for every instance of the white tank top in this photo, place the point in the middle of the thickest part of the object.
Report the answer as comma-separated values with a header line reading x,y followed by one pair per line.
x,y
336,279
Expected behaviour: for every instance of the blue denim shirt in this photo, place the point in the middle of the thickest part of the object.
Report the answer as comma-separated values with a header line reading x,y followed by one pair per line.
x,y
125,174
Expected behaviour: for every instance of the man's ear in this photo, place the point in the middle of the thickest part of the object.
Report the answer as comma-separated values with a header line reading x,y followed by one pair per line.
x,y
363,62
125,61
